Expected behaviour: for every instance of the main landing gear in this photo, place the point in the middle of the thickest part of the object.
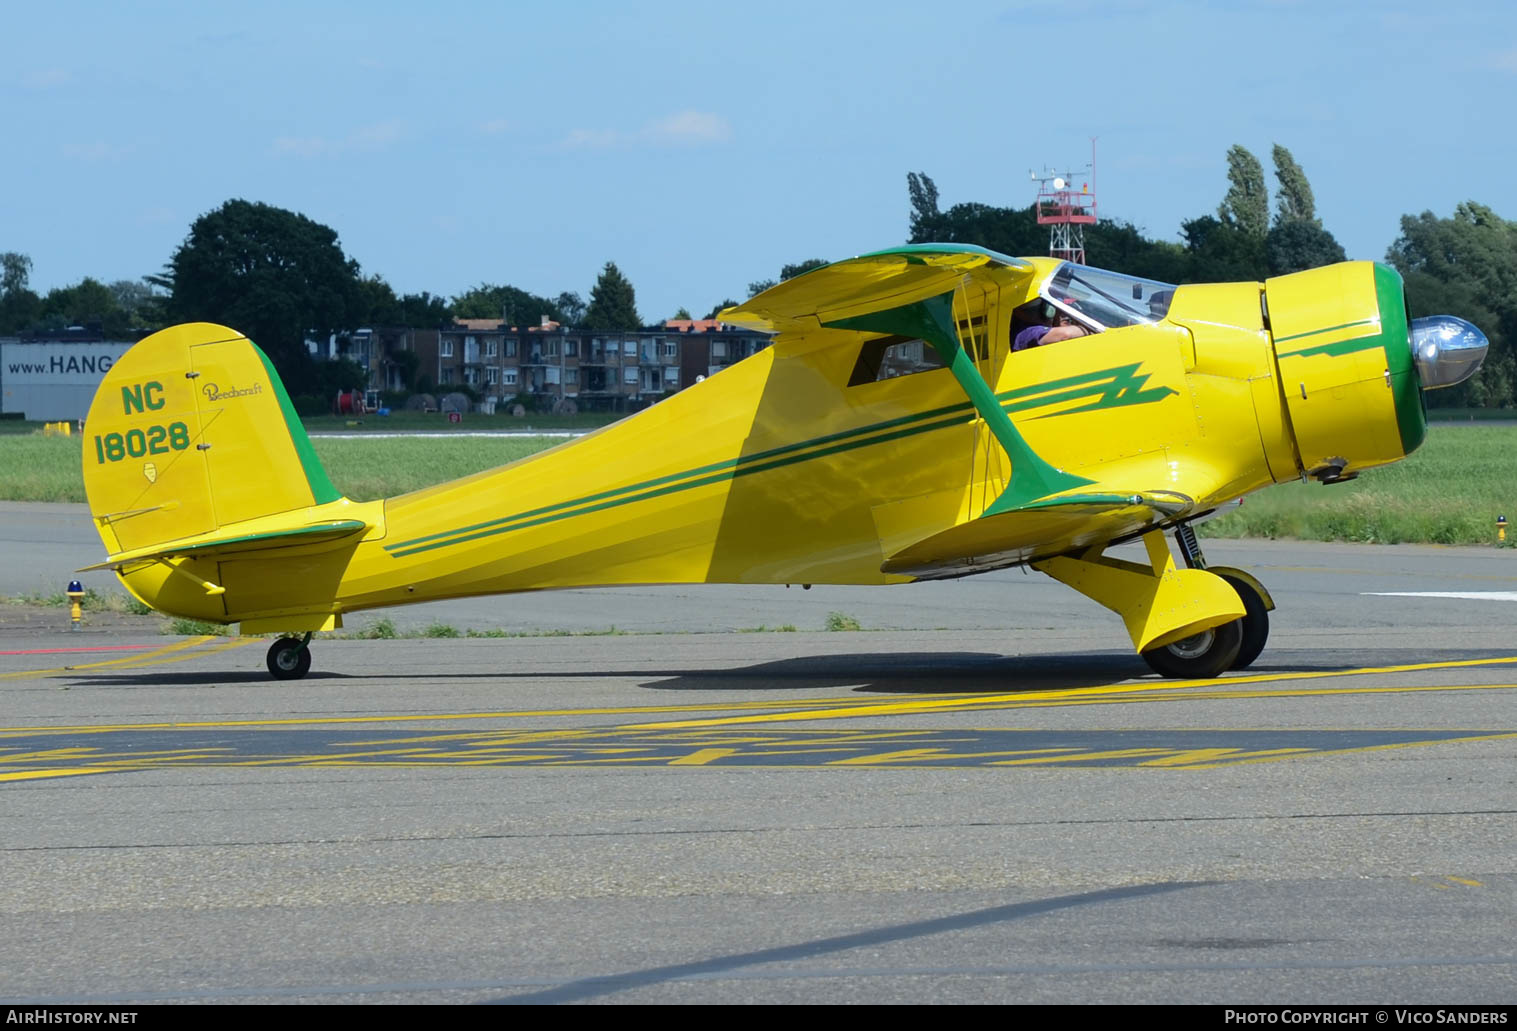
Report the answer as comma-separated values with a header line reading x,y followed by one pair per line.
x,y
289,658
1232,645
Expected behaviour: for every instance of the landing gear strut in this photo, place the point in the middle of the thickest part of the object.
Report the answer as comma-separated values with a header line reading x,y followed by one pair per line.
x,y
1167,609
289,658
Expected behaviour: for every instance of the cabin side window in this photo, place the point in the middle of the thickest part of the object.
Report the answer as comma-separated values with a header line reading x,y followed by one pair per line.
x,y
893,356
890,357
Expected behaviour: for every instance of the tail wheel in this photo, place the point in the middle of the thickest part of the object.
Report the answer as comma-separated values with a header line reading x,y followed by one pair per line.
x,y
1201,655
289,659
1255,622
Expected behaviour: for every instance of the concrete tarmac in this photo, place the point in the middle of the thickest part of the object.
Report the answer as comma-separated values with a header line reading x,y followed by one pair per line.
x,y
982,797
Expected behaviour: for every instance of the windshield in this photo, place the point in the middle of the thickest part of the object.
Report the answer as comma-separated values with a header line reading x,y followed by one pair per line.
x,y
1107,299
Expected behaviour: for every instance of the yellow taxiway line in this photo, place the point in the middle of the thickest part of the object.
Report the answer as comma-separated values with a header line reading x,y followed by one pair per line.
x,y
793,710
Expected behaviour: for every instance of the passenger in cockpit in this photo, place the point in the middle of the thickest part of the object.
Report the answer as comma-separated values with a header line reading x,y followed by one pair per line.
x,y
1041,323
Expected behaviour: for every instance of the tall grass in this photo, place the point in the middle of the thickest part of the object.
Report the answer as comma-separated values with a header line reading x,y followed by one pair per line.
x,y
1449,492
368,469
38,468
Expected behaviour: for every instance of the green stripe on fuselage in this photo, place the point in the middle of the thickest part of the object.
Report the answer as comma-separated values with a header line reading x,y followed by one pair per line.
x,y
1114,388
1111,388
1366,323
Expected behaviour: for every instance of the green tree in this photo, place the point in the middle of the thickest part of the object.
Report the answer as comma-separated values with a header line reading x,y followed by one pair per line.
x,y
801,267
1008,230
758,286
270,273
20,308
516,306
1220,252
378,306
141,305
1118,245
1111,243
720,307
423,309
375,303
923,223
1298,243
571,308
1246,206
683,315
613,302
1294,201
88,302
15,271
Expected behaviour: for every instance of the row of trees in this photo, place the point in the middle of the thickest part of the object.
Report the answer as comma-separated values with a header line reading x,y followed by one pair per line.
x,y
1240,242
278,275
119,307
1465,265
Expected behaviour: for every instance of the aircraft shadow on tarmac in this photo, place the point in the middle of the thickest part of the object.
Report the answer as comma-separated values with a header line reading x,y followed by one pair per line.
x,y
864,672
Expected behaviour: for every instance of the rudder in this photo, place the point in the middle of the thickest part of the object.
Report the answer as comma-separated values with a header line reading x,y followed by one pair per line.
x,y
192,430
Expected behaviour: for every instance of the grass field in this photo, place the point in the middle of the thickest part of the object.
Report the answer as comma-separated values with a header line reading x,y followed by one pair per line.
x,y
38,468
1449,492
435,422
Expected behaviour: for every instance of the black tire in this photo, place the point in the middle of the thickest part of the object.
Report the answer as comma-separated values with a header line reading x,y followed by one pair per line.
x,y
289,659
1255,622
1201,655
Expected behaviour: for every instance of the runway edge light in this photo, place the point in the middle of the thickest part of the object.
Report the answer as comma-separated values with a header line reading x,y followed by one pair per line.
x,y
75,603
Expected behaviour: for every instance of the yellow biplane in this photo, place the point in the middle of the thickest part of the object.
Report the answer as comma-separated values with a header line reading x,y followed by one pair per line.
x,y
893,432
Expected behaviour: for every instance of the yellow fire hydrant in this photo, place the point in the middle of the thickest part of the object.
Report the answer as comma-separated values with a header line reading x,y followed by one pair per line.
x,y
1500,529
75,603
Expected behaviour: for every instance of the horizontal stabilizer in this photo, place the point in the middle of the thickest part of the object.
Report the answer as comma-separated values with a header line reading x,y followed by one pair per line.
x,y
221,543
1049,526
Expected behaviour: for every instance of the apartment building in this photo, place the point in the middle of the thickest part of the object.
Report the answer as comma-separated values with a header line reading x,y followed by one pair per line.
x,y
563,368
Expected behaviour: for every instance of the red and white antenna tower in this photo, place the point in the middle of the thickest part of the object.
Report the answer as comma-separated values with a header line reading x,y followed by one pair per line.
x,y
1066,204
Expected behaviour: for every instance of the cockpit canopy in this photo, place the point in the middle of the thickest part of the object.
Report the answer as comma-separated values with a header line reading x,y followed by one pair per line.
x,y
1106,300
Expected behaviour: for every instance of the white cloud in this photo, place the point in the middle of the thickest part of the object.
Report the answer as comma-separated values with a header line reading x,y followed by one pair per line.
x,y
1504,60
690,127
373,137
369,137
302,146
45,78
158,217
99,150
685,128
593,138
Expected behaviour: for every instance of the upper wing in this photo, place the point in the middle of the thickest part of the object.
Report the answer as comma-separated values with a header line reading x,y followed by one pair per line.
x,y
871,282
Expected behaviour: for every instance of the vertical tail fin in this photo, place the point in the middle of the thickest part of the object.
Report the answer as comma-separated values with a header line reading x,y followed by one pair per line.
x,y
191,431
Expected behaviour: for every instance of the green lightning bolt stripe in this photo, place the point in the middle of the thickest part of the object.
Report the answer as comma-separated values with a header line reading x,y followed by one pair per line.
x,y
1108,388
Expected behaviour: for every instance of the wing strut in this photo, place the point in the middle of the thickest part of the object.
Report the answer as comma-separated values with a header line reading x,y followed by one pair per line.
x,y
932,320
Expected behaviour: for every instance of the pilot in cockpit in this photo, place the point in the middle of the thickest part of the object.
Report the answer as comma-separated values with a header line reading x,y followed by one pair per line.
x,y
1038,323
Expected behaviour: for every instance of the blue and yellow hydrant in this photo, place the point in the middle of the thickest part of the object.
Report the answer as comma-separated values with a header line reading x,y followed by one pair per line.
x,y
75,603
1500,529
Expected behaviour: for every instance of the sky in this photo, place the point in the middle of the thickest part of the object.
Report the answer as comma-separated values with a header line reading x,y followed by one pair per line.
x,y
701,146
